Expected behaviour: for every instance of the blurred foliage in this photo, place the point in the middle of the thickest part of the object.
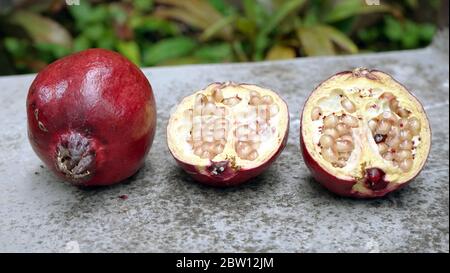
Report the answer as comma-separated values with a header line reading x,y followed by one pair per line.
x,y
170,32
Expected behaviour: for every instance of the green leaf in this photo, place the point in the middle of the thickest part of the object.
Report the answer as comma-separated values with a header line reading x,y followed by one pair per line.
x,y
246,27
130,49
412,3
180,15
281,14
214,53
16,47
153,24
6,64
81,43
42,29
338,38
33,6
427,32
279,52
97,14
94,32
81,14
314,43
216,28
320,40
409,42
168,49
263,40
238,49
107,40
195,13
411,35
310,18
222,7
198,10
348,8
393,29
368,34
53,51
118,13
254,11
261,44
143,5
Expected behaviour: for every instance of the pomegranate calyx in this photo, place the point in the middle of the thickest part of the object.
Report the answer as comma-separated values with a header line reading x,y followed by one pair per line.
x,y
75,157
364,72
218,168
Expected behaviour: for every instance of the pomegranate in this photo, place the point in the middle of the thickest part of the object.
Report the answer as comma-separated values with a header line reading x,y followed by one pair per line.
x,y
228,133
363,134
91,117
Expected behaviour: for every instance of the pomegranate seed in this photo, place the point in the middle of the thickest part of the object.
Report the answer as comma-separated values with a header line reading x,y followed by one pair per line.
x,y
379,138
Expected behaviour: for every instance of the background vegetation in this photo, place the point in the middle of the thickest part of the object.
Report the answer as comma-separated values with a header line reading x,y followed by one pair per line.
x,y
170,32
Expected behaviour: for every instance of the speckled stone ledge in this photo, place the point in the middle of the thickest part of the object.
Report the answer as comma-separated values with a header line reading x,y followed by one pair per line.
x,y
283,210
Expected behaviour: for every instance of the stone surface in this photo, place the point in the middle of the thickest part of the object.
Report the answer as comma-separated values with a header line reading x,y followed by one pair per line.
x,y
283,210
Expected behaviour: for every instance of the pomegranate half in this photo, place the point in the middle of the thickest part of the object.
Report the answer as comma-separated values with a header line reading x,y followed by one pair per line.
x,y
91,117
228,133
363,134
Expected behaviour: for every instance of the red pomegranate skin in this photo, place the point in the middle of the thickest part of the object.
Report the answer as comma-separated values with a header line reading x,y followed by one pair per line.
x,y
91,117
229,176
339,186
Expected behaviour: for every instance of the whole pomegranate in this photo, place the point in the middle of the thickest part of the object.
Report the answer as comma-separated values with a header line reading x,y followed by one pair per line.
x,y
363,134
91,117
228,133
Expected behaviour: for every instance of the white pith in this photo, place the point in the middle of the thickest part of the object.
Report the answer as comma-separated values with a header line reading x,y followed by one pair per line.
x,y
365,94
179,128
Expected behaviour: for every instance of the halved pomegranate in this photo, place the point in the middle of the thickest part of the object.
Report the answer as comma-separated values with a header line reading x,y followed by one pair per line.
x,y
228,133
363,134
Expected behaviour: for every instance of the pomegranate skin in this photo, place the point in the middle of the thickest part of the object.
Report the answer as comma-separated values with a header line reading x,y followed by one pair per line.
x,y
214,176
339,186
91,117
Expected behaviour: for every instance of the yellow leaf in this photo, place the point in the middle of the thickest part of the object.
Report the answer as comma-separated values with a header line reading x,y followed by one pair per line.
x,y
181,15
314,42
221,26
280,52
339,38
196,13
324,40
199,9
42,29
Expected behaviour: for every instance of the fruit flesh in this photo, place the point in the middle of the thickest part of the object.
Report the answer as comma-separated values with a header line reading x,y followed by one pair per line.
x,y
396,132
243,124
377,103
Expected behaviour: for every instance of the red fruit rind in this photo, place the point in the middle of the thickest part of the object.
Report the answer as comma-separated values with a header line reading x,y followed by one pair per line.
x,y
227,167
367,172
230,175
91,117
